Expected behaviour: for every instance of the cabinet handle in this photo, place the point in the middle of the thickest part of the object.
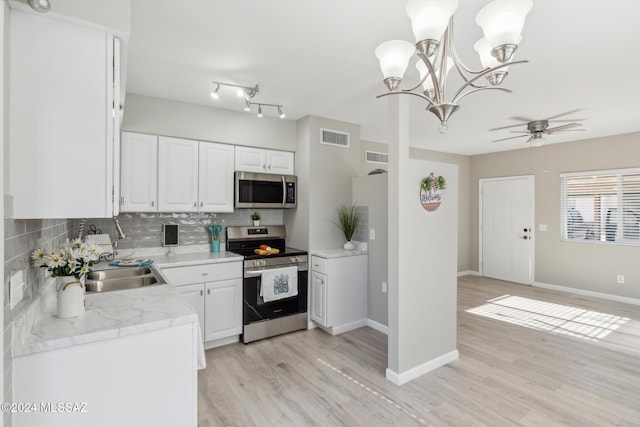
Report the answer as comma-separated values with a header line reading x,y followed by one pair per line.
x,y
321,282
153,203
264,166
195,204
201,204
269,167
208,291
121,200
201,292
205,274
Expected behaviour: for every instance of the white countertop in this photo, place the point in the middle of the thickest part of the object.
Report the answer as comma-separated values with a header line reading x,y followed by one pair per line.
x,y
110,314
337,253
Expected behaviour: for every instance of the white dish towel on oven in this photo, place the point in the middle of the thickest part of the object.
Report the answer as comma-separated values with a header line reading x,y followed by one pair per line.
x,y
279,283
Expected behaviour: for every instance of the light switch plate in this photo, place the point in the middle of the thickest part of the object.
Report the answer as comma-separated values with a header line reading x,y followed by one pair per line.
x,y
542,227
372,234
16,289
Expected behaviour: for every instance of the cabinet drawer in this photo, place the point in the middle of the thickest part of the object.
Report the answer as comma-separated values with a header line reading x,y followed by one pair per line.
x,y
319,264
202,273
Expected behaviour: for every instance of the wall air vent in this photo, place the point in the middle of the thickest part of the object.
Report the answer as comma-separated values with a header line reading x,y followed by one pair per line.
x,y
334,137
376,157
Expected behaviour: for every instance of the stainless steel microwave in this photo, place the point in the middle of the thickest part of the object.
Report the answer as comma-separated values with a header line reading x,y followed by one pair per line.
x,y
265,190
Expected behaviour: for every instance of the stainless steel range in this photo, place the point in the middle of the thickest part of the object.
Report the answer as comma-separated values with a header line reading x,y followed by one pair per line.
x,y
277,307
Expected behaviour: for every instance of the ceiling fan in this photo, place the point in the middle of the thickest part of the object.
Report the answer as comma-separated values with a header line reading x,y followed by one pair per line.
x,y
536,129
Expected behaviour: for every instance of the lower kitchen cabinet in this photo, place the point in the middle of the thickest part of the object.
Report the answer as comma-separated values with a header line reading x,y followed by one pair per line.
x,y
215,291
339,292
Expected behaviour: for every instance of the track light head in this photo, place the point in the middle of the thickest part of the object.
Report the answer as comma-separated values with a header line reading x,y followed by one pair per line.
x,y
260,110
282,115
214,93
41,6
247,105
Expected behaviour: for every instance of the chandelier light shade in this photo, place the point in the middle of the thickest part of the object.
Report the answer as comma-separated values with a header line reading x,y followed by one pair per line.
x,y
429,20
394,57
502,22
432,23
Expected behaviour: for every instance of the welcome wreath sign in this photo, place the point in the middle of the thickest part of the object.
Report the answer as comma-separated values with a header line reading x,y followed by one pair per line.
x,y
431,191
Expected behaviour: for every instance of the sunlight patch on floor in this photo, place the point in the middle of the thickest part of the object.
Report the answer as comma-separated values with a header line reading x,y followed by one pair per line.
x,y
549,317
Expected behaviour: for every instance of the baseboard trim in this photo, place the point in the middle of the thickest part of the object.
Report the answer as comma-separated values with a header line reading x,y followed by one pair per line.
x,y
468,273
413,373
378,326
335,330
586,293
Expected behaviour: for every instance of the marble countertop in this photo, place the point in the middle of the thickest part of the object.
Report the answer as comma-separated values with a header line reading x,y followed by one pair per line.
x,y
336,253
110,314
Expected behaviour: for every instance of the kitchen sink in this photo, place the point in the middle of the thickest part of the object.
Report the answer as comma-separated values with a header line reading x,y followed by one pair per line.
x,y
117,279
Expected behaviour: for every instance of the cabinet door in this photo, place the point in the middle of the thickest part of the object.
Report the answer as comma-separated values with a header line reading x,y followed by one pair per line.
x,y
177,175
250,159
62,123
319,298
138,172
215,177
194,294
223,309
280,162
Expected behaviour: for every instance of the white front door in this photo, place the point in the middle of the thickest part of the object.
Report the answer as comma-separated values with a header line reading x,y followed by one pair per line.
x,y
506,229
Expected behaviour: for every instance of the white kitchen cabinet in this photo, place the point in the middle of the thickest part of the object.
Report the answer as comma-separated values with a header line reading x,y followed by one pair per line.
x,y
138,172
215,291
177,175
251,159
215,172
63,133
319,298
339,292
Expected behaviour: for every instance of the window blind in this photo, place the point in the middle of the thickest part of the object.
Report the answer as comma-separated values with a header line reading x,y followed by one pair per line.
x,y
602,206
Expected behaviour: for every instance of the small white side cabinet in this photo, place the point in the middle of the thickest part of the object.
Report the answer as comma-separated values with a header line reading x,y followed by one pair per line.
x,y
250,159
339,292
138,172
64,136
215,291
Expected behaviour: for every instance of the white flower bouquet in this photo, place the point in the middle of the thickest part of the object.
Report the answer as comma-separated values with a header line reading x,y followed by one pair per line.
x,y
73,258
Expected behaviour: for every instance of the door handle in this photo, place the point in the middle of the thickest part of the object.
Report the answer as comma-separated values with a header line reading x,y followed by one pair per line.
x,y
524,237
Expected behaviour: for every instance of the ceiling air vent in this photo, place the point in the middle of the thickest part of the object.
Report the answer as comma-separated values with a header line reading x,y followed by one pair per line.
x,y
335,138
376,157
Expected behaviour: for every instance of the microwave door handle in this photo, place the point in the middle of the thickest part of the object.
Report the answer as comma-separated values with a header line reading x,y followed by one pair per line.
x,y
284,192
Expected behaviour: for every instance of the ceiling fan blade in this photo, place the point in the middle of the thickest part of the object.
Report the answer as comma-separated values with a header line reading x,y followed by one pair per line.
x,y
519,131
530,139
511,126
525,120
568,130
563,127
511,137
566,120
564,114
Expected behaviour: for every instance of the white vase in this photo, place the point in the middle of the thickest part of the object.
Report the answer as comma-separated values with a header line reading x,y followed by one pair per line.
x,y
256,222
71,293
349,246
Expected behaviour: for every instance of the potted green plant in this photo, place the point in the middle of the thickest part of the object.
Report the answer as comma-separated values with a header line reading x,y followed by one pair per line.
x,y
349,218
256,219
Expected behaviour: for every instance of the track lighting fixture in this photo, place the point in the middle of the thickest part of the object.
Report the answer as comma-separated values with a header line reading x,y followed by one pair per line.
x,y
247,105
260,105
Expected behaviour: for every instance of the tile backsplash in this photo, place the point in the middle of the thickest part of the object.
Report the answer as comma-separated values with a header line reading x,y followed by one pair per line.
x,y
144,230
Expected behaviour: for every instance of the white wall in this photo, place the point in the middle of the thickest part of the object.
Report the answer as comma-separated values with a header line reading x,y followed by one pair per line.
x,y
181,120
422,260
297,220
580,265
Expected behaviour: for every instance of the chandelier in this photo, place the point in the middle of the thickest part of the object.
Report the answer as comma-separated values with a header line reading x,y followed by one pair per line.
x,y
246,92
432,23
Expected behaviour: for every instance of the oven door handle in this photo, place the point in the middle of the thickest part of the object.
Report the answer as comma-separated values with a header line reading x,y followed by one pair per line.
x,y
253,273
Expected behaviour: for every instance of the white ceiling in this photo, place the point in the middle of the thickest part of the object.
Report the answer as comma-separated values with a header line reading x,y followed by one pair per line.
x,y
317,58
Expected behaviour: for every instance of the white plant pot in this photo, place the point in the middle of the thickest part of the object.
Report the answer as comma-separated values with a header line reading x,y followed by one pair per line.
x,y
349,246
256,222
71,293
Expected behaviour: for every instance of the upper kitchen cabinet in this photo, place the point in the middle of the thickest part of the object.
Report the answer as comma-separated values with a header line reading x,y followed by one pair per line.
x,y
177,175
138,172
64,136
250,159
215,184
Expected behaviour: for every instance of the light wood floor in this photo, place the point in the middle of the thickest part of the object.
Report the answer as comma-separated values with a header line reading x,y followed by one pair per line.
x,y
507,374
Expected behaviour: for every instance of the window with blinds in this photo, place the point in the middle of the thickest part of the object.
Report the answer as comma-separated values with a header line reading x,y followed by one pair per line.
x,y
602,206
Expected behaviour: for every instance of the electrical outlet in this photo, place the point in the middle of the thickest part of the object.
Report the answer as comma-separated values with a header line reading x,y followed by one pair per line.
x,y
372,234
620,279
384,287
16,288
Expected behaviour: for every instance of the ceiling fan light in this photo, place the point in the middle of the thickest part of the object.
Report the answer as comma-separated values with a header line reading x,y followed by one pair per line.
x,y
538,139
502,22
394,58
484,52
429,18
